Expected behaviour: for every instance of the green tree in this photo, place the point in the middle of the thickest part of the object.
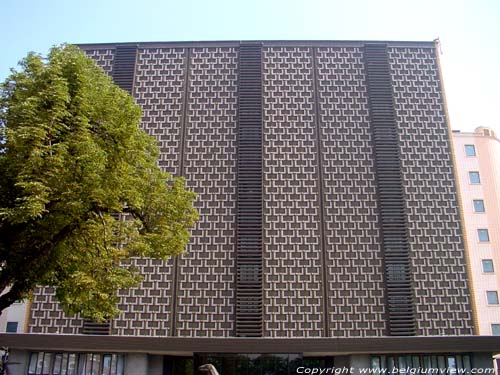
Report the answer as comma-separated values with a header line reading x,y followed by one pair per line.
x,y
80,189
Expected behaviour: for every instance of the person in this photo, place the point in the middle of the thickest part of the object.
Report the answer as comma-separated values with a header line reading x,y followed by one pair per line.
x,y
4,359
209,368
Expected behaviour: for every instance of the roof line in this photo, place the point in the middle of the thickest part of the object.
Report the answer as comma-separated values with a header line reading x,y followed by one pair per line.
x,y
269,43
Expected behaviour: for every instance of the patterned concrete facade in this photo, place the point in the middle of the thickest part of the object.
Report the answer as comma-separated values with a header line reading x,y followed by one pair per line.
x,y
437,257
323,269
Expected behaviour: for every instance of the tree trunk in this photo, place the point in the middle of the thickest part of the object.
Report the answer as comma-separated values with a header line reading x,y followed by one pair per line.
x,y
15,293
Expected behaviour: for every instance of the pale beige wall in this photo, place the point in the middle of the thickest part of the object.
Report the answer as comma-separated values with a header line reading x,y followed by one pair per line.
x,y
14,313
487,163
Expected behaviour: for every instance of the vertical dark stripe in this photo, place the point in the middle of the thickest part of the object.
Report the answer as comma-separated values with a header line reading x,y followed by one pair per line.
x,y
322,210
249,193
394,231
123,75
124,67
180,172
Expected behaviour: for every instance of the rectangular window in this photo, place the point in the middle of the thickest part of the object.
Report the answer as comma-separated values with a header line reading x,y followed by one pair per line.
x,y
39,364
81,364
495,329
56,369
492,297
375,363
106,364
47,363
488,265
64,365
72,364
483,235
33,362
47,359
11,327
470,150
119,365
474,177
452,364
478,205
467,364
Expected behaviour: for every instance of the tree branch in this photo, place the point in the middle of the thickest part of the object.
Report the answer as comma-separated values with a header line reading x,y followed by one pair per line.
x,y
15,293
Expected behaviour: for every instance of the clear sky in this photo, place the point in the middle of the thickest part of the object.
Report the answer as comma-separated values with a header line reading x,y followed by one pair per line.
x,y
469,31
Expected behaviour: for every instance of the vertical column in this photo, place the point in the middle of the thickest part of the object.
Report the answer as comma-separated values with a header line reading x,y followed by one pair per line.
x,y
321,200
354,262
206,274
292,232
123,76
158,87
175,261
249,194
438,260
395,243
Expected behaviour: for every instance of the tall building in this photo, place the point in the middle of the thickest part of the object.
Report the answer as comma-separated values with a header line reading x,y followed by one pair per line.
x,y
330,232
478,154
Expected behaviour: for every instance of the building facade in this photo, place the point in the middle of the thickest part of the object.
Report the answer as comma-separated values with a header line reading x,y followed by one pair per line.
x,y
329,228
15,318
479,177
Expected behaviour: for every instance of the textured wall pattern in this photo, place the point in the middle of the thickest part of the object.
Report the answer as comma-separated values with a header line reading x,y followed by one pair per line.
x,y
207,279
438,259
196,127
103,58
354,258
146,310
47,317
292,250
158,89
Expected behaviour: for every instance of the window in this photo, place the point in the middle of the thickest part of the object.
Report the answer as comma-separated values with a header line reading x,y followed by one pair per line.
x,y
11,327
452,363
44,363
495,329
492,297
470,150
488,265
478,205
474,177
483,235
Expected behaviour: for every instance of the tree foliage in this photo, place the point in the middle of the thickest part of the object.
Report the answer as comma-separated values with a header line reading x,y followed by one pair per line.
x,y
80,189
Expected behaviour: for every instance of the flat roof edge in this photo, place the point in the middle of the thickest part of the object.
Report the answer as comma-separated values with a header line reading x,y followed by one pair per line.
x,y
166,345
265,43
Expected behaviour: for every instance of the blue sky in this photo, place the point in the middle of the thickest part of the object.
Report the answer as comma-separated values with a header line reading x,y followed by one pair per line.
x,y
469,32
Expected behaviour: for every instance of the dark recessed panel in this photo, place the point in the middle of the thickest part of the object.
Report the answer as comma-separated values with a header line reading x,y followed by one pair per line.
x,y
124,67
396,249
249,194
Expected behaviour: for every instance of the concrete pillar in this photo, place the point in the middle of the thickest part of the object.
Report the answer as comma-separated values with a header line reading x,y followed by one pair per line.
x,y
136,364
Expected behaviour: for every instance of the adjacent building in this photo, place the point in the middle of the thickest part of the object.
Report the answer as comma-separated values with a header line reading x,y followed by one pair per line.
x,y
330,232
15,318
478,155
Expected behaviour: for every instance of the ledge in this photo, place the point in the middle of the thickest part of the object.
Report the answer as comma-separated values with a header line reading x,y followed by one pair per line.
x,y
265,43
187,346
